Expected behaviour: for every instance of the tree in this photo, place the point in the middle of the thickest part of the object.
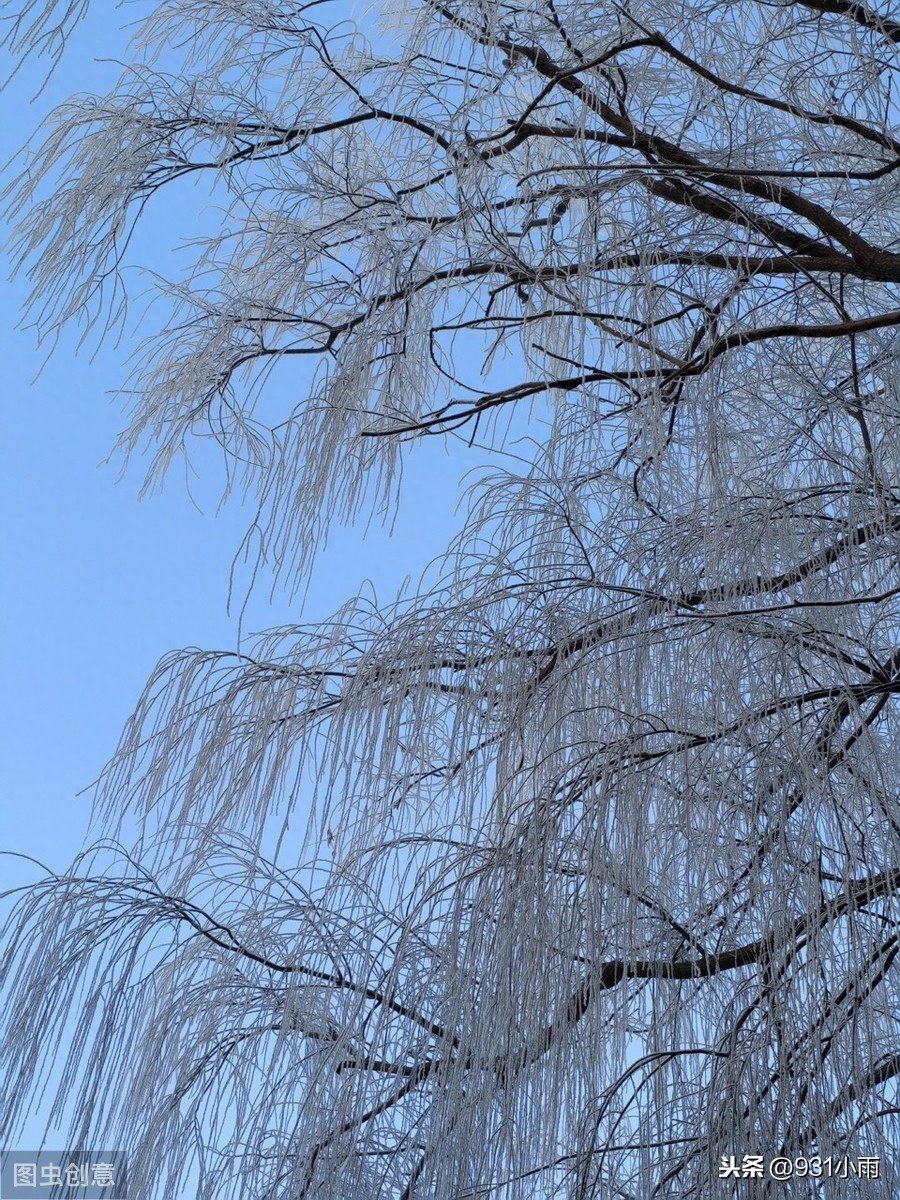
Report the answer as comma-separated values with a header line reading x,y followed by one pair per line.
x,y
601,880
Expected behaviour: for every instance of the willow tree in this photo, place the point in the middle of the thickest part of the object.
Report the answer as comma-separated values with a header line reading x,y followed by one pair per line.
x,y
600,882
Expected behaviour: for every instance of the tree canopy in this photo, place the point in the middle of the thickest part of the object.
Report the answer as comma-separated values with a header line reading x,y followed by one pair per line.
x,y
600,882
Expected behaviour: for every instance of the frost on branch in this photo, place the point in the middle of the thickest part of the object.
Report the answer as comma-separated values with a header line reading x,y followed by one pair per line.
x,y
599,882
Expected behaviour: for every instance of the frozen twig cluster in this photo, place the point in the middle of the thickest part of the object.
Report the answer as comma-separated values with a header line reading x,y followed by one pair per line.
x,y
601,882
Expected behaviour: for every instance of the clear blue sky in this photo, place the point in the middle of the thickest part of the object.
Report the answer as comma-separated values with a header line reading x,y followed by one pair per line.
x,y
98,586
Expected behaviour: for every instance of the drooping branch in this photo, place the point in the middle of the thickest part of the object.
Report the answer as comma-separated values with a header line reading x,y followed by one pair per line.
x,y
598,875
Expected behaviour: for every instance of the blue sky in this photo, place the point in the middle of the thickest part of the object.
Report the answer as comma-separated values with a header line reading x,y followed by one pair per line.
x,y
98,585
